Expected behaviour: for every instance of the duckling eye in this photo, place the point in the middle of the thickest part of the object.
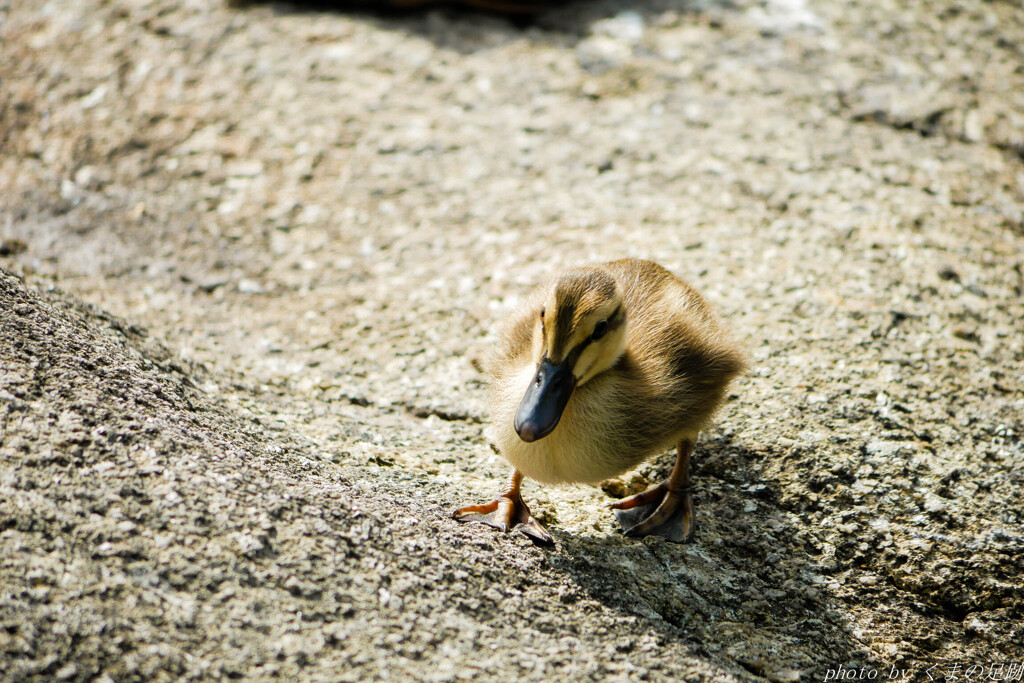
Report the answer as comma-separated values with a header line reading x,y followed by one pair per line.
x,y
599,330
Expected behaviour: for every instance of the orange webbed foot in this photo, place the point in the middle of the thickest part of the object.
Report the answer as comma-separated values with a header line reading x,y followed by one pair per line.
x,y
658,511
507,513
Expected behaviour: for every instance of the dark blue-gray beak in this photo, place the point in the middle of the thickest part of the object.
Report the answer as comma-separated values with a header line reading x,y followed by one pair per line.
x,y
545,400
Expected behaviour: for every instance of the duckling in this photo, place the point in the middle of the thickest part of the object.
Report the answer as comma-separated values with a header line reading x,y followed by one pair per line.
x,y
606,366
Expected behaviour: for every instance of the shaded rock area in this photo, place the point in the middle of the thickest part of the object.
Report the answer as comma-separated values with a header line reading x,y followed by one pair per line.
x,y
150,534
295,229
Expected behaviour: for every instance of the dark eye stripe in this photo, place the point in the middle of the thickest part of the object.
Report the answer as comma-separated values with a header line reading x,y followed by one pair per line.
x,y
615,319
614,322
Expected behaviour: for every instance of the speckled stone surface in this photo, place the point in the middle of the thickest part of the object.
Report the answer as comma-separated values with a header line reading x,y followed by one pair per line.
x,y
282,238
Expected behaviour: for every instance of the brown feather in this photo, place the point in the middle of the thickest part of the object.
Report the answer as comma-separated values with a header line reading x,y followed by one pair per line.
x,y
671,376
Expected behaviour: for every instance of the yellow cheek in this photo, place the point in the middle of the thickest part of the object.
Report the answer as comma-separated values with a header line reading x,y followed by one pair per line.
x,y
583,364
599,356
590,358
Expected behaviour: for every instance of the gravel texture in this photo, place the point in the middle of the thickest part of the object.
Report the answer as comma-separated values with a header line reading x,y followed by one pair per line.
x,y
296,227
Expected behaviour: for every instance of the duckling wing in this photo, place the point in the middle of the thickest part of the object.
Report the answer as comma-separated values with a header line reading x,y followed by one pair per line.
x,y
678,355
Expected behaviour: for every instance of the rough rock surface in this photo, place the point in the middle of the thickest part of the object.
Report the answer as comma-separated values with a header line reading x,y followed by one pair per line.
x,y
304,224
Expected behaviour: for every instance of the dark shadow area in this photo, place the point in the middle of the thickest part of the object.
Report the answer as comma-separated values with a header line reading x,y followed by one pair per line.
x,y
747,592
460,26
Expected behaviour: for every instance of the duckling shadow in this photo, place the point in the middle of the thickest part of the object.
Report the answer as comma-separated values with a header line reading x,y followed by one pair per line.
x,y
460,26
746,591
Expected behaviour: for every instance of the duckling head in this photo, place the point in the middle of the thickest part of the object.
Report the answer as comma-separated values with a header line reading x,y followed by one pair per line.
x,y
582,333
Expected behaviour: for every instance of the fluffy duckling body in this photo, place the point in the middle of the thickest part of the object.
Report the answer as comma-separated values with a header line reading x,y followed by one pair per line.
x,y
605,367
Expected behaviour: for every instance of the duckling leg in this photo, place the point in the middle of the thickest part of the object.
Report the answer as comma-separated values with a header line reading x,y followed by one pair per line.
x,y
664,510
507,511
